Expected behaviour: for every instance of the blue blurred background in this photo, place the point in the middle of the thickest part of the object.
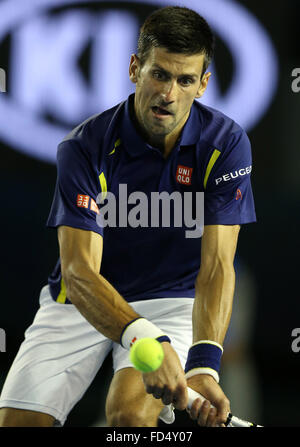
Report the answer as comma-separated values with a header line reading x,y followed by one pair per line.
x,y
64,61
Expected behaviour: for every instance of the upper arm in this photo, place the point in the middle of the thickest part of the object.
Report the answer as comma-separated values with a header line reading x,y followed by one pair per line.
x,y
80,250
218,247
77,188
228,193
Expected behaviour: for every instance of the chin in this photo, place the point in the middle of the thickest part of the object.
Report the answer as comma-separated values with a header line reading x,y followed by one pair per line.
x,y
159,131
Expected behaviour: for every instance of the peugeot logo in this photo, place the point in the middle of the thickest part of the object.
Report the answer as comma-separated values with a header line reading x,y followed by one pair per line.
x,y
45,79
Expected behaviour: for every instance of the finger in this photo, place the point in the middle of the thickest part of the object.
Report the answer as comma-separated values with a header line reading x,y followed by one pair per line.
x,y
167,397
194,410
211,418
157,393
180,398
149,389
203,413
223,408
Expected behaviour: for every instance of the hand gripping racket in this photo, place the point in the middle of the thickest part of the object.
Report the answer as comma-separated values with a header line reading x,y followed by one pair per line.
x,y
168,417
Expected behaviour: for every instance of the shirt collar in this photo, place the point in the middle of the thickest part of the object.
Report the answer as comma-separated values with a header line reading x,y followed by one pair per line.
x,y
136,145
131,139
192,129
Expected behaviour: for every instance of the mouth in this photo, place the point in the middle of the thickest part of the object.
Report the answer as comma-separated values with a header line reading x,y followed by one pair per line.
x,y
160,112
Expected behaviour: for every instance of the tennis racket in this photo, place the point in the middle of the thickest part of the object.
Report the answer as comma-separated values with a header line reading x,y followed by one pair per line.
x,y
167,414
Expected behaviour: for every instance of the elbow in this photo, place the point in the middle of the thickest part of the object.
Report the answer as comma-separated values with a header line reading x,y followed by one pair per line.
x,y
76,280
81,282
71,278
70,275
218,268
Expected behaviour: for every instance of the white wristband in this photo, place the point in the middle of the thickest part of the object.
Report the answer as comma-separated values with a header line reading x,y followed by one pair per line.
x,y
196,371
139,328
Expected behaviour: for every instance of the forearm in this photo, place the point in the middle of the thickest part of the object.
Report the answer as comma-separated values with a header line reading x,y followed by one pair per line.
x,y
99,302
213,303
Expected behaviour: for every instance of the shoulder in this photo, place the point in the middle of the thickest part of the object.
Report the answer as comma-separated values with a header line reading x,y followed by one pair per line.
x,y
218,129
90,135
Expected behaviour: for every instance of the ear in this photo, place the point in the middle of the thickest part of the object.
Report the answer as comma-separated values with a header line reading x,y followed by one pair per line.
x,y
134,68
203,84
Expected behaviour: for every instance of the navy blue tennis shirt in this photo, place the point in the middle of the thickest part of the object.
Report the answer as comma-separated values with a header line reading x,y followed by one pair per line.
x,y
212,155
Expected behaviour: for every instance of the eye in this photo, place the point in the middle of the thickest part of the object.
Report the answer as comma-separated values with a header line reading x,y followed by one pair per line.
x,y
158,75
186,81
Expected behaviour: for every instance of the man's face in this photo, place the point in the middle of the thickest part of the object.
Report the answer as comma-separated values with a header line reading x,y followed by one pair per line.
x,y
166,86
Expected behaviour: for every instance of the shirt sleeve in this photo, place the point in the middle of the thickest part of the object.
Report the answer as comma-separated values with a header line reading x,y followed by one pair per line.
x,y
228,197
77,187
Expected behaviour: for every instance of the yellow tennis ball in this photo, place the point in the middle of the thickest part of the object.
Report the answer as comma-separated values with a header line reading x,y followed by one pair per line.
x,y
146,354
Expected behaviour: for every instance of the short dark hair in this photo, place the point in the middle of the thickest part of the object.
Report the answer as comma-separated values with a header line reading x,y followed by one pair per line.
x,y
179,30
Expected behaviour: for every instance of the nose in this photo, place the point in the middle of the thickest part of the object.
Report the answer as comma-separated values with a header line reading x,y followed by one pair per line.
x,y
170,91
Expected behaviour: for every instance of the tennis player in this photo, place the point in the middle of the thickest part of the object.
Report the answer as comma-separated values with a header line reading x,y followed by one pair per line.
x,y
115,284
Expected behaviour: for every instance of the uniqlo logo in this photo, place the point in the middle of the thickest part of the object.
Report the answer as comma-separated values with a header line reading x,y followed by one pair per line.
x,y
184,175
94,207
83,201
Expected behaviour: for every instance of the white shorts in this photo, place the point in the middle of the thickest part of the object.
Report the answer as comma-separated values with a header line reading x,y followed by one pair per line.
x,y
62,353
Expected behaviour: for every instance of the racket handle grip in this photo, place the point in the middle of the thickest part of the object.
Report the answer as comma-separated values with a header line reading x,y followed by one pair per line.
x,y
193,395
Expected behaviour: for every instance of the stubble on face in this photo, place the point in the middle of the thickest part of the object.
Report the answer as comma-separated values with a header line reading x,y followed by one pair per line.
x,y
163,105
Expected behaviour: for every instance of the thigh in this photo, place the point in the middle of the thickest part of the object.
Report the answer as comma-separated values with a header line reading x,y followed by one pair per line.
x,y
12,417
173,316
127,402
56,363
